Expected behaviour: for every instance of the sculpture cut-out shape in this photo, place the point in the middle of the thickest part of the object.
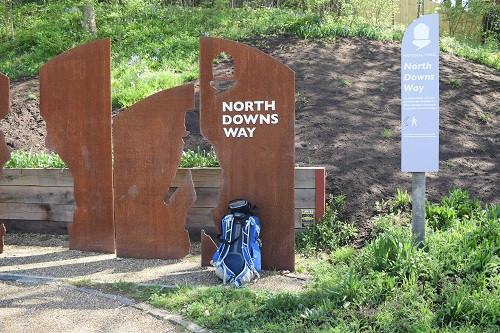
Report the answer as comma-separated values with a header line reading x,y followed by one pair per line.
x,y
75,102
251,127
4,110
148,147
208,248
223,74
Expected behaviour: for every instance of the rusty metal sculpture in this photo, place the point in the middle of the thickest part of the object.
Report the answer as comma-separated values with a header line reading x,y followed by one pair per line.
x,y
148,146
2,238
4,110
4,150
75,102
251,127
208,248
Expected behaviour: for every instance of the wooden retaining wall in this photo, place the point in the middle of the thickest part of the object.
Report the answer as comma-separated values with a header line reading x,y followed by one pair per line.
x,y
41,200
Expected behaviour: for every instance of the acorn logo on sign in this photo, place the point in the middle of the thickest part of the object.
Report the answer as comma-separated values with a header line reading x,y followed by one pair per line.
x,y
421,33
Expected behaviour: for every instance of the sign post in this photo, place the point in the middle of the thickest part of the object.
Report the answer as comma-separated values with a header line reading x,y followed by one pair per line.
x,y
420,110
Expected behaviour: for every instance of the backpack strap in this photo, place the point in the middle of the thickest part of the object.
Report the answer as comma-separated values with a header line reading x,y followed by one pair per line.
x,y
226,236
221,253
223,241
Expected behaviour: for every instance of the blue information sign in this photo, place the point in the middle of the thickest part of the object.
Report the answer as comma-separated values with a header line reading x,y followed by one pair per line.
x,y
420,96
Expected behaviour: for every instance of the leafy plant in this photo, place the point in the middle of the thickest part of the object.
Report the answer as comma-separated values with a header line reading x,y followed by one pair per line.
x,y
301,97
31,159
457,205
454,83
402,202
493,212
483,117
199,159
386,134
395,252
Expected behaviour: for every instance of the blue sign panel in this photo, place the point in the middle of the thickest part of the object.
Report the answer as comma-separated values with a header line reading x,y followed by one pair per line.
x,y
420,96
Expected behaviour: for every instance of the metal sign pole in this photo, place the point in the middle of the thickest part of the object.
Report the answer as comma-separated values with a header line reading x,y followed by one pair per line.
x,y
418,206
420,111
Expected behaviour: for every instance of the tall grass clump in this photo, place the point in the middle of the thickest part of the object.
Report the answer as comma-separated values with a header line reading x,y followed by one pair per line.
x,y
31,159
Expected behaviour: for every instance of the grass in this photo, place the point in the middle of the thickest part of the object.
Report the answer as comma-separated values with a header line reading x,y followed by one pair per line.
x,y
452,284
30,159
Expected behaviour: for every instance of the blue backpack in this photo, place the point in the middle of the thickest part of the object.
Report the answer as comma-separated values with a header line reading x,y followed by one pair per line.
x,y
238,260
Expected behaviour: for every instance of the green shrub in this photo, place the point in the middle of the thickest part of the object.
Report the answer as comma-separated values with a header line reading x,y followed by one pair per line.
x,y
330,232
394,251
455,206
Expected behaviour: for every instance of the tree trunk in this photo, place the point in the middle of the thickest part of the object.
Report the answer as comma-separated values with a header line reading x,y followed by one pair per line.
x,y
89,19
11,21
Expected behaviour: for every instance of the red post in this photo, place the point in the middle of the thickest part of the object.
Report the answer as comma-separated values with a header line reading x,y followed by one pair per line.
x,y
320,193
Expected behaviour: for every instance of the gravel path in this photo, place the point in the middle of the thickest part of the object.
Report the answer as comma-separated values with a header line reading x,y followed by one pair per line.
x,y
47,255
35,298
27,307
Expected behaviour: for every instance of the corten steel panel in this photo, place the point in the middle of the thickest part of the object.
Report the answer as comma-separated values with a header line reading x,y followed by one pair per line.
x,y
4,110
75,102
2,238
148,146
208,249
258,162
